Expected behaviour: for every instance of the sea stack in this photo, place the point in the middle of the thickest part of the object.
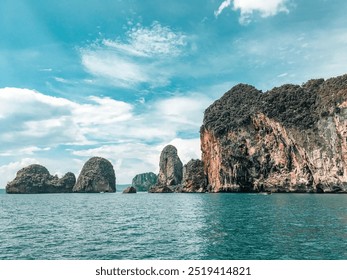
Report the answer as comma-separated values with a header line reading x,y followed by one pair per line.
x,y
289,139
97,175
170,171
143,182
194,178
36,178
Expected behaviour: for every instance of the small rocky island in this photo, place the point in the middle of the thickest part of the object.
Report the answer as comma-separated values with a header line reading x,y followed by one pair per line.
x,y
36,178
144,181
97,176
170,171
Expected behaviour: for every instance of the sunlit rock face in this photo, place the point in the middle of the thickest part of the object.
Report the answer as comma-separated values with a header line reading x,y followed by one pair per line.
x,y
289,139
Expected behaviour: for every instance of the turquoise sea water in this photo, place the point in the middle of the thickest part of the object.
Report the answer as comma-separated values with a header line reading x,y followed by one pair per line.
x,y
173,226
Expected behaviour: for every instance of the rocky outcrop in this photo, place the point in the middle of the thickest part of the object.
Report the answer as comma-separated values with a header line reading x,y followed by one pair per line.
x,y
170,171
290,139
170,167
143,182
160,189
97,175
130,189
194,178
36,178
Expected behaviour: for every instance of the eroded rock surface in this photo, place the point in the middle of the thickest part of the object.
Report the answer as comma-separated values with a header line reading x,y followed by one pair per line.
x,y
170,167
143,182
290,139
36,178
194,178
170,171
97,175
160,189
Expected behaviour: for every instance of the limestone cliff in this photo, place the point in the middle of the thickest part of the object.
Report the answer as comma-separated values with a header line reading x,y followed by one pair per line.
x,y
289,139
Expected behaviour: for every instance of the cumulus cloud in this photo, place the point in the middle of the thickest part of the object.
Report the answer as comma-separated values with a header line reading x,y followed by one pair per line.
x,y
185,110
265,8
137,59
41,119
113,111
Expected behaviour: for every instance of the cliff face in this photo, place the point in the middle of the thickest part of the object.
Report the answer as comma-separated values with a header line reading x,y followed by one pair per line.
x,y
289,139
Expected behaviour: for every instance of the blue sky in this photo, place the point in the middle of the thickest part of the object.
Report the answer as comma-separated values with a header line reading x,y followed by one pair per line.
x,y
122,79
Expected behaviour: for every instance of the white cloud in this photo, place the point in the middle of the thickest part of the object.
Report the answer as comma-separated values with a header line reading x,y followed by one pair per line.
x,y
265,8
112,111
24,151
14,100
156,40
185,110
41,119
187,149
282,75
222,6
113,67
62,80
139,59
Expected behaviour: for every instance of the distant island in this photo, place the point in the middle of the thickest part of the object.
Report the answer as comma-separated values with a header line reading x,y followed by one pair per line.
x,y
289,139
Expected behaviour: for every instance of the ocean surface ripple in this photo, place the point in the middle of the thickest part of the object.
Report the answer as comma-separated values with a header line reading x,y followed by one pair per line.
x,y
173,226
